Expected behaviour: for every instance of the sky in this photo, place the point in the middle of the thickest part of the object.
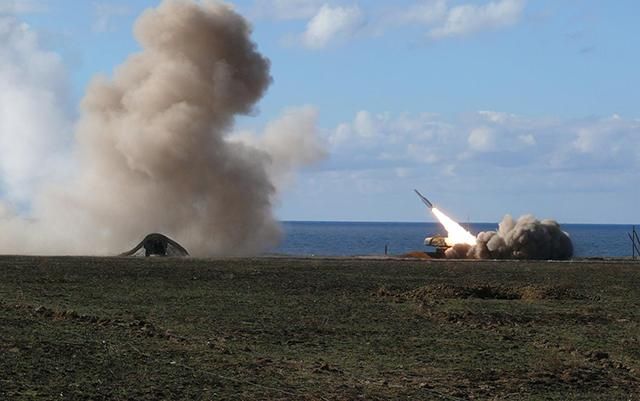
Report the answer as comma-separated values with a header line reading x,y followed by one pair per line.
x,y
486,107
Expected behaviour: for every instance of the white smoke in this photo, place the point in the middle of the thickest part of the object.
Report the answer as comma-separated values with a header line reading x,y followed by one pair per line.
x,y
282,135
526,238
34,123
153,148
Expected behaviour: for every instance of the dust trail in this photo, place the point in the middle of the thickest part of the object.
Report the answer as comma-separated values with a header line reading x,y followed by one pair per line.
x,y
153,152
526,238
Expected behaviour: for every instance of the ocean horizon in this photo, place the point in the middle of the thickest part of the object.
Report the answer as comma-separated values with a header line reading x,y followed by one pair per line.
x,y
341,238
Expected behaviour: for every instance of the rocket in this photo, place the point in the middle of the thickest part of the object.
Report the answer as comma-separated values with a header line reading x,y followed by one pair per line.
x,y
424,200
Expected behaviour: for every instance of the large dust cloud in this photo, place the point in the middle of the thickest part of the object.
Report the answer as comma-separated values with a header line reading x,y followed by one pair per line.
x,y
154,152
525,238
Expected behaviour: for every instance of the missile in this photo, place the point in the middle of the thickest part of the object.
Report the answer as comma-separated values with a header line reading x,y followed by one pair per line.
x,y
424,200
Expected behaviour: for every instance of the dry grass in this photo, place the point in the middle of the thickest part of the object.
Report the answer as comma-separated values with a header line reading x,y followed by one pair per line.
x,y
317,329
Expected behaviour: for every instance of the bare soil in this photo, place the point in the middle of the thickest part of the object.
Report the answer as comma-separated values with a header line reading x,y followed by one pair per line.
x,y
318,329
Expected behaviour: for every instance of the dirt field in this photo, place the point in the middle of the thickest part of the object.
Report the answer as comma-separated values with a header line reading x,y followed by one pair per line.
x,y
317,329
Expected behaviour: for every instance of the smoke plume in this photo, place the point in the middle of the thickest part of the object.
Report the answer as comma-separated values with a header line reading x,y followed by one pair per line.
x,y
153,152
526,238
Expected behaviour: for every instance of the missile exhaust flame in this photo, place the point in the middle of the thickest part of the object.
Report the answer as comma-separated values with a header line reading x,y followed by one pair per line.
x,y
456,234
524,238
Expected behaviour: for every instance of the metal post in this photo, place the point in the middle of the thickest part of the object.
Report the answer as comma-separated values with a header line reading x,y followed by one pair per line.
x,y
633,236
637,239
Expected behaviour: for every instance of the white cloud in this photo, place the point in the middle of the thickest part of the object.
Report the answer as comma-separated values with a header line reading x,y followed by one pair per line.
x,y
584,143
341,134
14,7
402,172
336,21
106,13
33,118
421,154
495,116
368,129
527,139
424,12
286,9
484,163
331,24
482,139
297,129
605,143
364,125
468,18
364,129
537,165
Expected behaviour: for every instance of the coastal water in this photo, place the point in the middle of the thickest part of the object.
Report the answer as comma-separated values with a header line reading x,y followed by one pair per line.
x,y
348,239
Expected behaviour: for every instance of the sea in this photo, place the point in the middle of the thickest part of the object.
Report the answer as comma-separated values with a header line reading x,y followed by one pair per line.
x,y
304,238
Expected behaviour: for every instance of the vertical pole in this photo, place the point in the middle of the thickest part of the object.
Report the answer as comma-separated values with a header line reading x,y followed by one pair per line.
x,y
635,238
633,243
386,248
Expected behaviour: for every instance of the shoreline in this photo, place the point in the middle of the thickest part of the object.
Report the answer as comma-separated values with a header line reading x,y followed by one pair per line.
x,y
589,259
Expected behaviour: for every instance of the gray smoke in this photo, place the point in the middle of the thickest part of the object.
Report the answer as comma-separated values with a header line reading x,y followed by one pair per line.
x,y
153,151
526,238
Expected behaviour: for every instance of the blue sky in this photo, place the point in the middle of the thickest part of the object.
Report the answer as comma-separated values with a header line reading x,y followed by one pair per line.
x,y
488,107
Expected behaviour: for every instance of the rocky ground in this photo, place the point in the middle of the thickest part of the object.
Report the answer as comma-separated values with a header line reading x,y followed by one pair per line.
x,y
318,329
